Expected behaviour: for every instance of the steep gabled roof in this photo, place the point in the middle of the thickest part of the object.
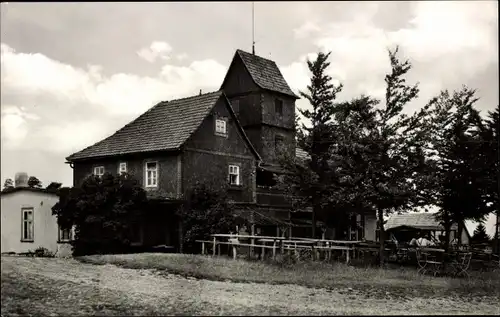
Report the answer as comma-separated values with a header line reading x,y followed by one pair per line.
x,y
424,221
264,72
166,126
241,130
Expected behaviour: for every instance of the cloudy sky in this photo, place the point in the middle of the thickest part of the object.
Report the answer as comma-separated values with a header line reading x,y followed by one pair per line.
x,y
73,73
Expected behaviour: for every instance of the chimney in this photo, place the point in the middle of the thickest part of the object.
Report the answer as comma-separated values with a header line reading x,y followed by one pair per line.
x,y
21,179
200,92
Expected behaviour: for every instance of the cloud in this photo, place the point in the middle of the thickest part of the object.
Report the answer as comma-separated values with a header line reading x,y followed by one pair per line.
x,y
67,98
446,41
156,50
306,29
37,74
182,56
14,124
296,75
45,101
74,135
440,28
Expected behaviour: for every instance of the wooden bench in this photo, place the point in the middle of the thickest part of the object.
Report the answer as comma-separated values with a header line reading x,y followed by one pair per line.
x,y
217,244
283,244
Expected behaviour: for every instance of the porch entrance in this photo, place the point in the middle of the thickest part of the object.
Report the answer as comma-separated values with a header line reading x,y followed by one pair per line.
x,y
158,229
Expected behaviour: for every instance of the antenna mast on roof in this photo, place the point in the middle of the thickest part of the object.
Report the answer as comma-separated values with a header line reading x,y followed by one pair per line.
x,y
253,29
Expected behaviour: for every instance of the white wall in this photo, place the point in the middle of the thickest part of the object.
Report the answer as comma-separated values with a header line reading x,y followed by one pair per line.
x,y
45,224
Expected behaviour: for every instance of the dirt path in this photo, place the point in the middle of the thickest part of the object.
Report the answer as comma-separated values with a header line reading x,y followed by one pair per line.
x,y
61,286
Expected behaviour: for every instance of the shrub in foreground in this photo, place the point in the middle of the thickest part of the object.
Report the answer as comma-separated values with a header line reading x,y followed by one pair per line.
x,y
103,211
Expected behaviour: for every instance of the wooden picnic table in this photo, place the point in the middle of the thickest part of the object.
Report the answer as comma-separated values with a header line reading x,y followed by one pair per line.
x,y
228,235
282,243
345,246
234,242
330,241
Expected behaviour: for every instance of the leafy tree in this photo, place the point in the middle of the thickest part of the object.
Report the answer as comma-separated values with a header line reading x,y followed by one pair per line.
x,y
310,179
378,160
363,158
34,182
456,159
382,150
53,186
480,235
103,209
9,183
207,211
348,163
490,147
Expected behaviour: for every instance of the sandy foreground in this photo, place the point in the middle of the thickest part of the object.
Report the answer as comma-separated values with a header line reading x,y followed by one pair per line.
x,y
64,286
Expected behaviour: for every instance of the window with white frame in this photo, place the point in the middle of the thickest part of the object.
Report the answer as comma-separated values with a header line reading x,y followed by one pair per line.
x,y
99,171
220,126
65,235
122,168
151,174
28,227
234,175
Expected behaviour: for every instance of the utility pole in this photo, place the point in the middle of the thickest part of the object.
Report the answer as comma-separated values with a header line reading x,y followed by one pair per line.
x,y
253,28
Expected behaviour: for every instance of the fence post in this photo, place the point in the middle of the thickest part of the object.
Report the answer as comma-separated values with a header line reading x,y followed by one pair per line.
x,y
252,241
274,250
203,248
214,249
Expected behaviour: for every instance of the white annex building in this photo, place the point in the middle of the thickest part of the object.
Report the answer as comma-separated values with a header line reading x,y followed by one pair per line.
x,y
27,220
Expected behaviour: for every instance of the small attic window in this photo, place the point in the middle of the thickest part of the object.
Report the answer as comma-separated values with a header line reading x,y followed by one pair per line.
x,y
278,106
220,127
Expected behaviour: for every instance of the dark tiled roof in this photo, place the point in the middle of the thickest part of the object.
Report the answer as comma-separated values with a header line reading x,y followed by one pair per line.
x,y
424,221
166,126
265,73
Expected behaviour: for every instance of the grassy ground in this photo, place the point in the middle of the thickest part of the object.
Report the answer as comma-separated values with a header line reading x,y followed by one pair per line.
x,y
48,287
312,274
